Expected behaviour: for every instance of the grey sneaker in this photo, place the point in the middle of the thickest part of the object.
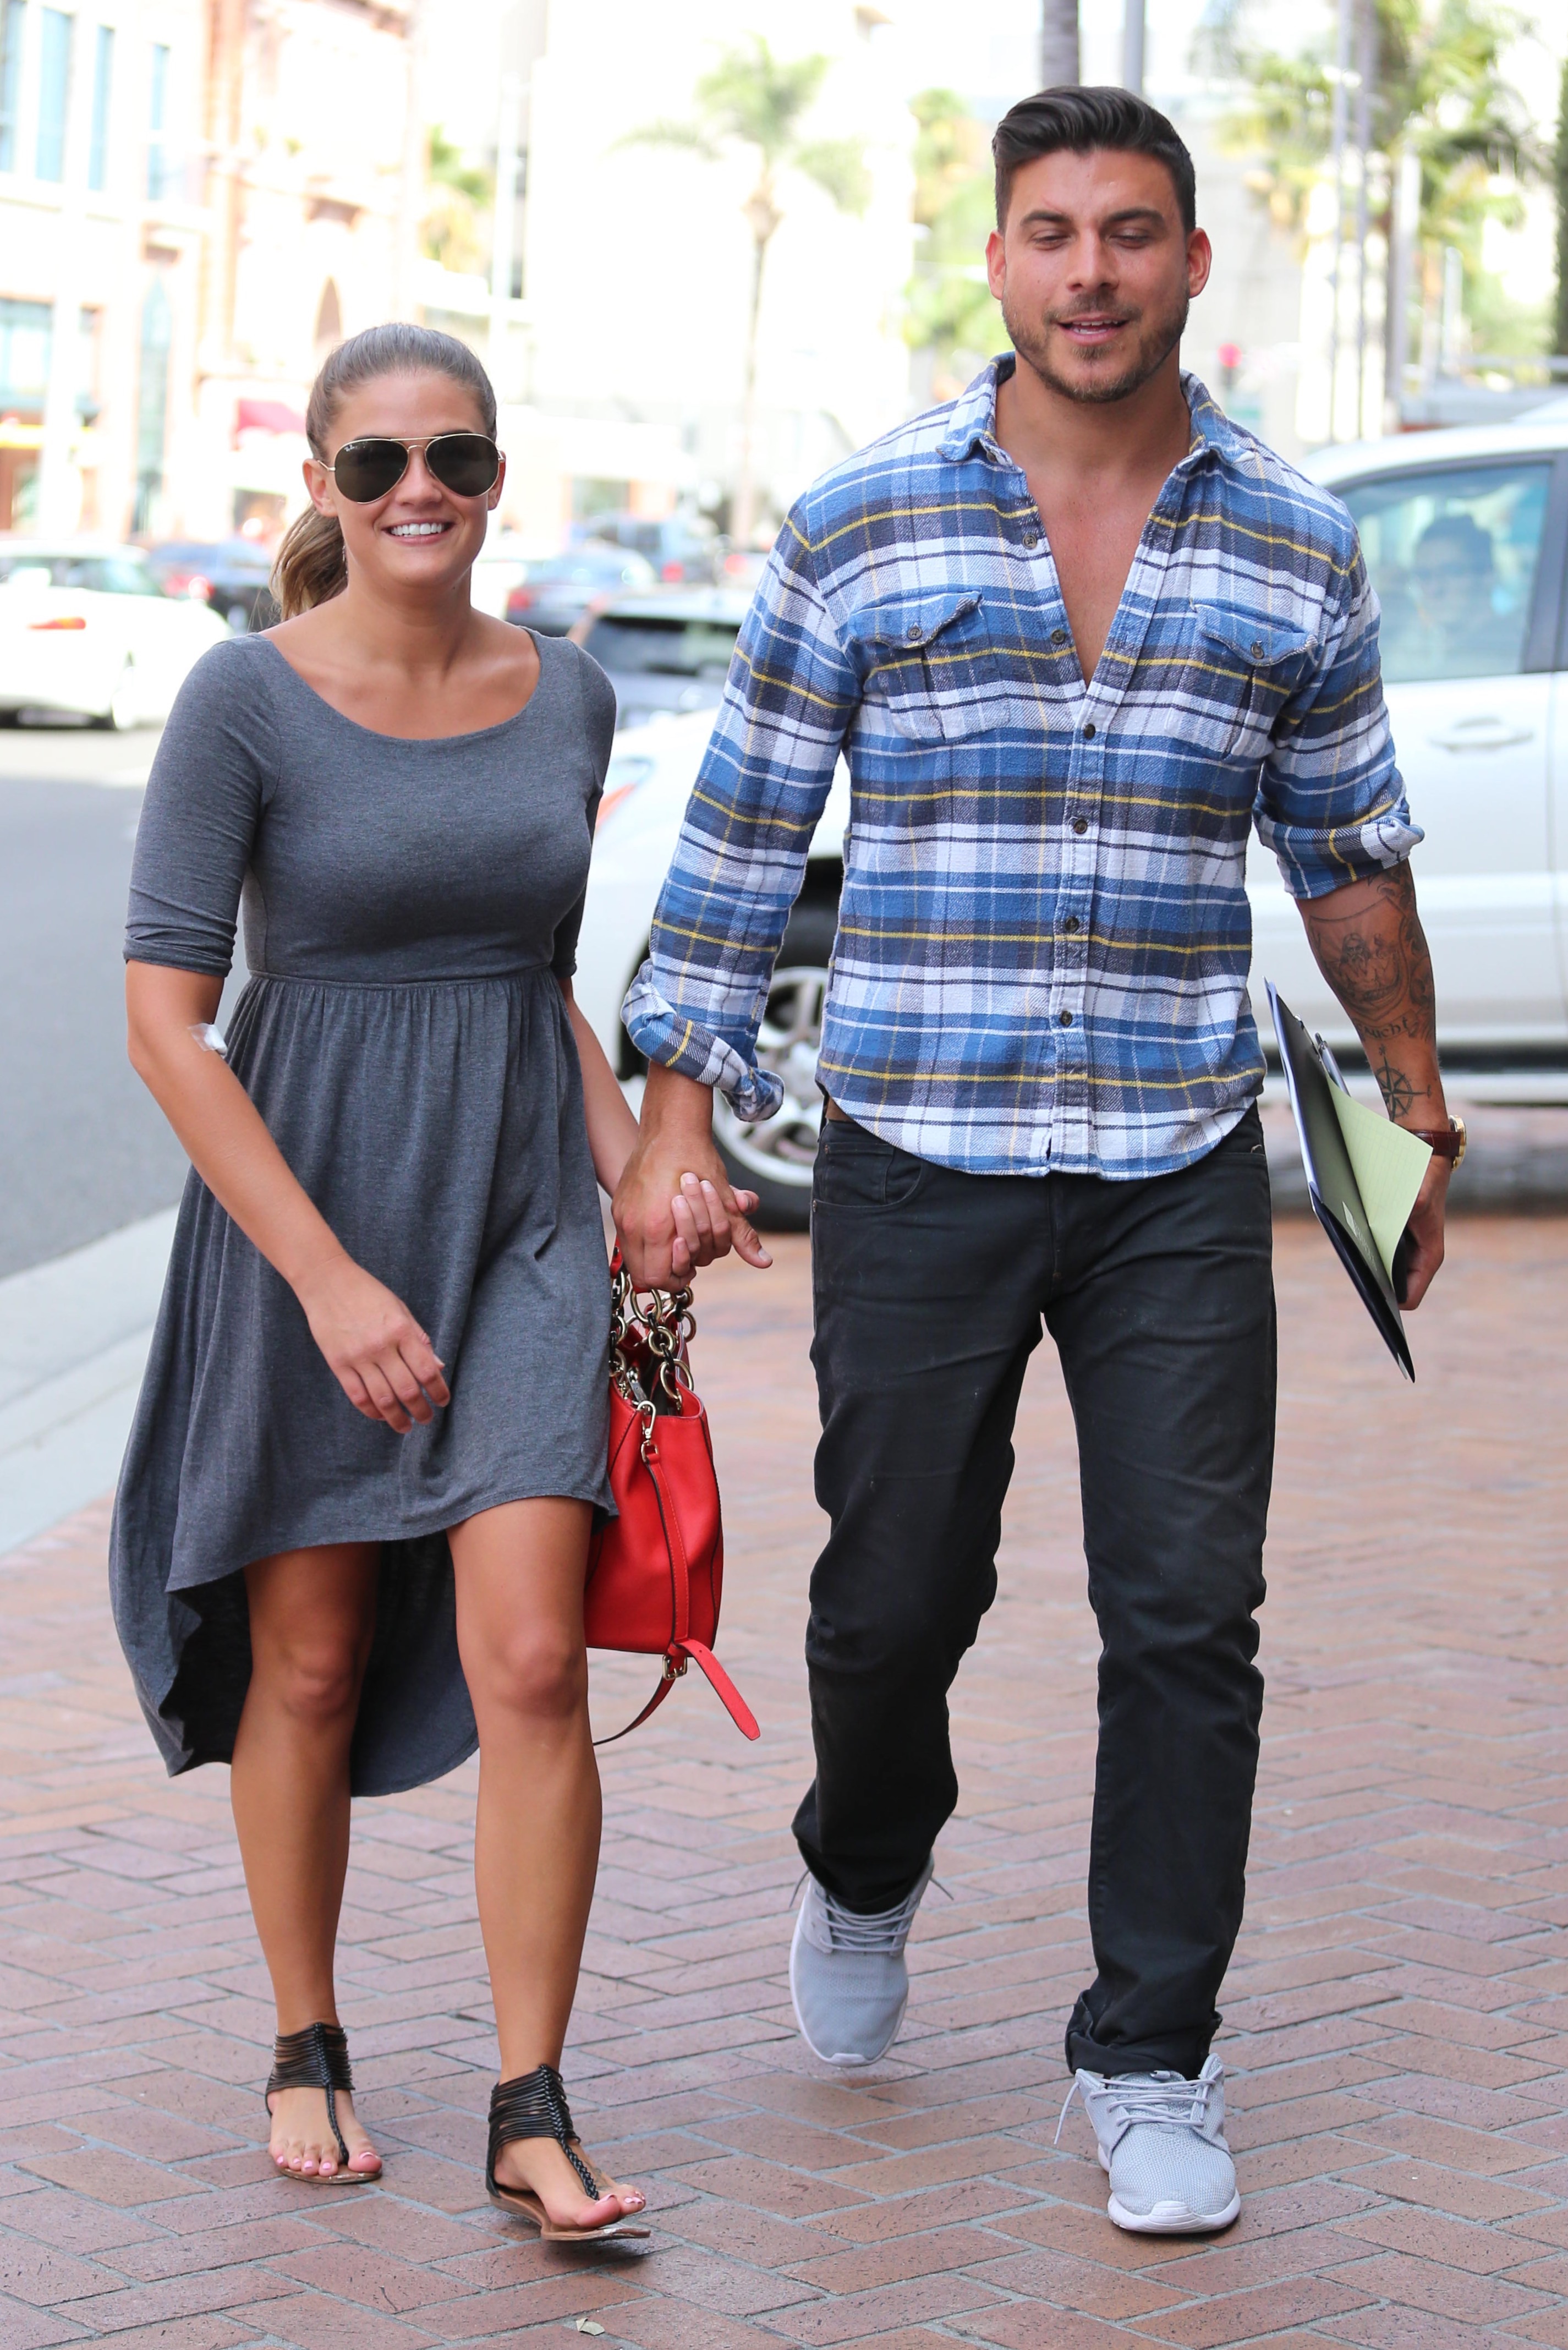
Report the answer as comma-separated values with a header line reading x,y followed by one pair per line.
x,y
848,1976
1162,2139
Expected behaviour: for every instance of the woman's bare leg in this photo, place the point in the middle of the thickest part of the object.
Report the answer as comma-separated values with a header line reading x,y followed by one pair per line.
x,y
520,1573
313,1613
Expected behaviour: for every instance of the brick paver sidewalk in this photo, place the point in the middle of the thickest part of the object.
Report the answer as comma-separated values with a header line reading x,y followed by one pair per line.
x,y
1395,2017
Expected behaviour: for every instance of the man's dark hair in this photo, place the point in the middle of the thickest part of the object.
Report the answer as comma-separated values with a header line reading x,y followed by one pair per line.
x,y
1082,119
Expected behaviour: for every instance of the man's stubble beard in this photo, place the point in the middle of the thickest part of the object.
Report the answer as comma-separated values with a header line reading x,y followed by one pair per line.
x,y
1155,348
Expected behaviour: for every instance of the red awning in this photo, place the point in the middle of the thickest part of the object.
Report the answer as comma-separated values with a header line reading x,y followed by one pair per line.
x,y
267,416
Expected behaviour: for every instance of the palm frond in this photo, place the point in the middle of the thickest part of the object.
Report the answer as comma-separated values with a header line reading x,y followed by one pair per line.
x,y
837,166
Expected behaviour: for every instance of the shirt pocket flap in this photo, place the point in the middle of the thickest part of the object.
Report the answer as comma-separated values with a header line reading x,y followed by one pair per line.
x,y
1258,642
909,622
928,664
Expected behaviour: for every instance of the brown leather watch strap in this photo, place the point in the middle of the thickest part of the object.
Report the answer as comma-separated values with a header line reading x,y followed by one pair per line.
x,y
1444,1141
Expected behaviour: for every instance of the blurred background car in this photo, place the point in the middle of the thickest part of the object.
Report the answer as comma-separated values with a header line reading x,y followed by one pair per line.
x,y
665,652
646,791
556,590
88,631
233,576
680,547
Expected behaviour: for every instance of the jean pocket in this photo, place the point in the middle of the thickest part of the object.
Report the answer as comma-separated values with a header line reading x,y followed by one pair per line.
x,y
855,1169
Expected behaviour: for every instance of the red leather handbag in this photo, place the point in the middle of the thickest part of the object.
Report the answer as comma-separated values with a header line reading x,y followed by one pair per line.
x,y
655,1572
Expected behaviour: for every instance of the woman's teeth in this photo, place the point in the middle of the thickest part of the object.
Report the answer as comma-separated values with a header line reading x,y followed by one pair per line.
x,y
417,529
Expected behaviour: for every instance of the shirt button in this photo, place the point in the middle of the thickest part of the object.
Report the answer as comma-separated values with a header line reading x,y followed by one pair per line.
x,y
914,632
1257,648
1031,538
1058,635
1070,923
1089,730
1080,824
1066,1018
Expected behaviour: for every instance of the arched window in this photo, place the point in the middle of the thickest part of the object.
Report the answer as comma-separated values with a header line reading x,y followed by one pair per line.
x,y
328,321
152,400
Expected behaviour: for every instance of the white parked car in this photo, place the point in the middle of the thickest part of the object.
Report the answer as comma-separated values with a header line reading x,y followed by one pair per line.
x,y
1466,537
88,630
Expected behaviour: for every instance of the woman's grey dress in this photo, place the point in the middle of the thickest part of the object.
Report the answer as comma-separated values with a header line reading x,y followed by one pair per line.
x,y
407,907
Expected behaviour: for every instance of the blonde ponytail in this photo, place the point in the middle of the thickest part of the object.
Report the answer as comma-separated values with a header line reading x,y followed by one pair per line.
x,y
311,567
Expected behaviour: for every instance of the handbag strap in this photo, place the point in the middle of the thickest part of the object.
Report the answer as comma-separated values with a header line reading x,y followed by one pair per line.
x,y
682,1646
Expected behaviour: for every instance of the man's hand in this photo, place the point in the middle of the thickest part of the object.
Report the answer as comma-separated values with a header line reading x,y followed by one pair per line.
x,y
674,1207
1370,947
1425,1229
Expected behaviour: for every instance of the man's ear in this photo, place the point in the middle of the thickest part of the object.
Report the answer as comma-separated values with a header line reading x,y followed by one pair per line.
x,y
1200,261
995,263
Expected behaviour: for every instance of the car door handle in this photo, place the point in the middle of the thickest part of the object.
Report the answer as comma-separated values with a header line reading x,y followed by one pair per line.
x,y
1483,734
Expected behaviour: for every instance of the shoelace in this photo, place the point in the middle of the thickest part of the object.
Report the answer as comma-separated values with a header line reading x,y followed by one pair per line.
x,y
884,1930
1151,2097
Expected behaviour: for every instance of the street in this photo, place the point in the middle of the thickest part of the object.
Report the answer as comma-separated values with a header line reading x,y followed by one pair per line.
x,y
83,1149
1395,2018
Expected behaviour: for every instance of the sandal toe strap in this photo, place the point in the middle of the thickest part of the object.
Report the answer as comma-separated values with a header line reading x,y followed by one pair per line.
x,y
535,2104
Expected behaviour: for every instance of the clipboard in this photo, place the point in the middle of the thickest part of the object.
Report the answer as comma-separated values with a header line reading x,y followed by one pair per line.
x,y
1362,1172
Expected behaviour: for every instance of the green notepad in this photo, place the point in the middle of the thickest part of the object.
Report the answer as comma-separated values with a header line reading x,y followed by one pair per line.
x,y
1389,1165
1363,1173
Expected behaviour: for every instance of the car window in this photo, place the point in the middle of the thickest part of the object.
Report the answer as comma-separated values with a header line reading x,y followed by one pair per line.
x,y
33,570
1452,554
118,576
661,648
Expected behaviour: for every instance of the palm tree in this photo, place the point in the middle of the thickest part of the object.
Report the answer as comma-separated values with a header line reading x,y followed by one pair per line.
x,y
756,102
1440,93
1058,43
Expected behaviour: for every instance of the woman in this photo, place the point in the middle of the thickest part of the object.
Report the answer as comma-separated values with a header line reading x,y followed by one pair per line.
x,y
351,1532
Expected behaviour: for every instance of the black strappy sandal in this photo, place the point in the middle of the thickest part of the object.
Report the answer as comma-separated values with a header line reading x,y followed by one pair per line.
x,y
535,2106
316,2058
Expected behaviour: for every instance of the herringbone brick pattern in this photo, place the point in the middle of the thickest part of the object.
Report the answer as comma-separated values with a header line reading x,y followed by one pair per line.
x,y
1397,2019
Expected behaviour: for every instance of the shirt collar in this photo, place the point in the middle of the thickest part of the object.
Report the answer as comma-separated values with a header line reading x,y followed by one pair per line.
x,y
972,420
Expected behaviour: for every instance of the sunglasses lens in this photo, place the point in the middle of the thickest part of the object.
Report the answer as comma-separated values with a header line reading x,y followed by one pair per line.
x,y
366,470
464,462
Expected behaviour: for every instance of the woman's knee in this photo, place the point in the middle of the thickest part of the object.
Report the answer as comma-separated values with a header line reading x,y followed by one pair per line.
x,y
539,1671
315,1679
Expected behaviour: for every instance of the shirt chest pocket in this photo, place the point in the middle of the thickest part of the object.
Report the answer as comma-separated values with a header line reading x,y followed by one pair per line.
x,y
928,668
1238,673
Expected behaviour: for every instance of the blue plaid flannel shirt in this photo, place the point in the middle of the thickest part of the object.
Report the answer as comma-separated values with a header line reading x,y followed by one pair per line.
x,y
1044,936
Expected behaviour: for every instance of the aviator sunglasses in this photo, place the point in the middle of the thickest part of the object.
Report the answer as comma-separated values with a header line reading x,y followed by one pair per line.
x,y
466,464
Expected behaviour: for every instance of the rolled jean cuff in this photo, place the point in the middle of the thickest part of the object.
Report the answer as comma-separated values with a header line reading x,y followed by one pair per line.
x,y
1172,2052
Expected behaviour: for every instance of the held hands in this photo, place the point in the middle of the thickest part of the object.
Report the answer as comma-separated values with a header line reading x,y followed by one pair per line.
x,y
670,1218
380,1358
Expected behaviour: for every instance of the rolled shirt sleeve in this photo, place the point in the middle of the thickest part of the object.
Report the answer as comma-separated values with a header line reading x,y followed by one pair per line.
x,y
697,1001
1331,804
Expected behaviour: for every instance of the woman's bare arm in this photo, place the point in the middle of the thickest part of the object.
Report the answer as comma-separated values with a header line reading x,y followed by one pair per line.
x,y
702,1223
382,1358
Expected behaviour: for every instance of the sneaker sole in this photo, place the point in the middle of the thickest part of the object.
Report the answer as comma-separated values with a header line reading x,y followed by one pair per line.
x,y
842,2058
1172,2219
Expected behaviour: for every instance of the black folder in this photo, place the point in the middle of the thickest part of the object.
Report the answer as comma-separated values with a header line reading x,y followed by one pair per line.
x,y
1313,1077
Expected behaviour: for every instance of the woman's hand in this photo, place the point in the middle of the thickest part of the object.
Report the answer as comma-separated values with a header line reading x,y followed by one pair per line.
x,y
380,1358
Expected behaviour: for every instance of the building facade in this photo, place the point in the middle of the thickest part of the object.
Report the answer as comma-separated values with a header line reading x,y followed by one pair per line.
x,y
197,198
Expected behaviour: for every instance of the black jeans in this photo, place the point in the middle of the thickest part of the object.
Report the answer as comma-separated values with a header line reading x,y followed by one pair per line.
x,y
930,1289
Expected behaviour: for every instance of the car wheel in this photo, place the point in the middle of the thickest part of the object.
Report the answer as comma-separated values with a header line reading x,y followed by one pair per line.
x,y
125,704
776,1158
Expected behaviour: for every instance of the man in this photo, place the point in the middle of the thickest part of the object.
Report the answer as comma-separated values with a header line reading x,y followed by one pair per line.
x,y
1072,632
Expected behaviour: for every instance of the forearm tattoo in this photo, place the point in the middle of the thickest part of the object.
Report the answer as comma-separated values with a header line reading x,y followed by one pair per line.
x,y
1372,949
